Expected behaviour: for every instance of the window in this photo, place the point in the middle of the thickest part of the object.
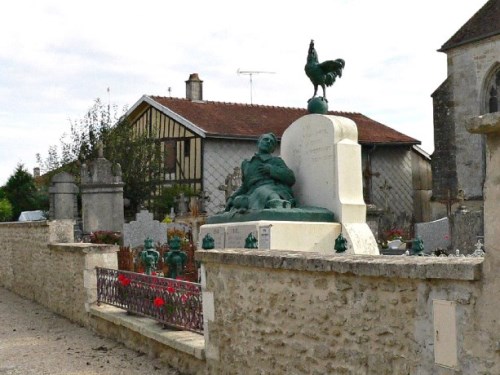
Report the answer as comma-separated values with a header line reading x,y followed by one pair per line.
x,y
187,148
493,102
170,156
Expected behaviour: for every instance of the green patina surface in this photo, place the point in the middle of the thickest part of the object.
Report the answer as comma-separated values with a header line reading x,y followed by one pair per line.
x,y
312,214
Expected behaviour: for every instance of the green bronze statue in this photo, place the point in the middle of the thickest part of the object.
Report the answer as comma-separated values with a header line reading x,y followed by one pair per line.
x,y
321,74
175,258
266,180
251,242
149,256
340,244
417,246
208,242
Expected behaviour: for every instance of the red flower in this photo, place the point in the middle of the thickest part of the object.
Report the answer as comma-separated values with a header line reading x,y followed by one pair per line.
x,y
153,273
158,302
184,298
171,289
123,280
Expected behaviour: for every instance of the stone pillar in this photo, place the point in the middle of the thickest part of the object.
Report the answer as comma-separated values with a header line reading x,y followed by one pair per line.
x,y
324,153
102,196
62,197
489,125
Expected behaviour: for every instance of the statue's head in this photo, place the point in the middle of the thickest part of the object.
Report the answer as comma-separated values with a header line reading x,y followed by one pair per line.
x,y
267,142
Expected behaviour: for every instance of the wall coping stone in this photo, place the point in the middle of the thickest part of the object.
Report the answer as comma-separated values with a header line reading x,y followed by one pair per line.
x,y
392,266
184,341
39,223
84,247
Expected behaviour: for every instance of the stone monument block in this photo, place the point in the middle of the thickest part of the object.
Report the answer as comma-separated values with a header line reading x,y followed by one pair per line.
x,y
324,153
275,235
63,197
102,196
144,226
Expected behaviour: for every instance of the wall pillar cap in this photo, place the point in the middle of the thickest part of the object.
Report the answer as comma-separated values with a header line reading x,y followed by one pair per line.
x,y
484,124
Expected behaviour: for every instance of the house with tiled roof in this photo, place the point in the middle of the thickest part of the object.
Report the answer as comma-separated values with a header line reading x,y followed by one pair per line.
x,y
203,141
471,88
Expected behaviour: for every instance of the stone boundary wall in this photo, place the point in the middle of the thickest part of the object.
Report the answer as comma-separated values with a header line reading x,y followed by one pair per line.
x,y
304,313
60,276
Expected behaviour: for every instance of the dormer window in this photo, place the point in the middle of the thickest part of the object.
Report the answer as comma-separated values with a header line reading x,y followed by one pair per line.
x,y
493,102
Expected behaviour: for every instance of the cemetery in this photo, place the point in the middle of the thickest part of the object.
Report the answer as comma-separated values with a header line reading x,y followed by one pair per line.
x,y
311,311
287,276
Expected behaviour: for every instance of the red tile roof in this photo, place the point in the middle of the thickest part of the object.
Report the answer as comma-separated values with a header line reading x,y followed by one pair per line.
x,y
484,24
232,120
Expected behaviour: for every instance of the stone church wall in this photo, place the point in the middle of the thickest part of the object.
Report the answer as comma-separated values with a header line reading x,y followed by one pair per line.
x,y
468,68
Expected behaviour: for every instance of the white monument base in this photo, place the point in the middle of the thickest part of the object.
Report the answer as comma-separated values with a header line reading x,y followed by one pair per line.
x,y
360,239
274,235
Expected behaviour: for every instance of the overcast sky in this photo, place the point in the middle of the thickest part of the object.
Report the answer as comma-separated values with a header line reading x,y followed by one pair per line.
x,y
57,57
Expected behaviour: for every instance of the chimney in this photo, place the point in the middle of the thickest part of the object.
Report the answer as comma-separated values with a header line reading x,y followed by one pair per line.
x,y
194,87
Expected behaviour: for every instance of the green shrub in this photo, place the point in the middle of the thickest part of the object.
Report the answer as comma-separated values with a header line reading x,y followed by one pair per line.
x,y
5,210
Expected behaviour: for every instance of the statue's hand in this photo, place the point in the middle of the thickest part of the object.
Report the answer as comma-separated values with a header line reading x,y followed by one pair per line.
x,y
229,204
265,169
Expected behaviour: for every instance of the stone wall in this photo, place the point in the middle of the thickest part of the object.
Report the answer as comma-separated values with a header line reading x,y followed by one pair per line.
x,y
35,264
279,312
458,161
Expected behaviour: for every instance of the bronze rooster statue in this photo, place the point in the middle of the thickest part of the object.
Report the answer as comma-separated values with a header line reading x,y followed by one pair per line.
x,y
322,74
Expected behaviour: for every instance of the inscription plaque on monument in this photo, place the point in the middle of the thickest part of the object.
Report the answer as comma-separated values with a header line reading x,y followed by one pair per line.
x,y
236,235
265,237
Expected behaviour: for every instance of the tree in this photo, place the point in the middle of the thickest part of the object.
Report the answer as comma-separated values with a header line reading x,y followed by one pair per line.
x,y
138,155
5,210
21,192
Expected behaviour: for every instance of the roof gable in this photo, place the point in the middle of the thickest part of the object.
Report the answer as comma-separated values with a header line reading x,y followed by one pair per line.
x,y
484,24
244,121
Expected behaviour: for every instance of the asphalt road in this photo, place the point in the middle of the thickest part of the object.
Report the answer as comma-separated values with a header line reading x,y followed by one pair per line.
x,y
34,340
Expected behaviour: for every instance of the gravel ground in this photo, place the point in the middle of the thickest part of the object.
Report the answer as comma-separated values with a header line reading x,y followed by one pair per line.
x,y
34,340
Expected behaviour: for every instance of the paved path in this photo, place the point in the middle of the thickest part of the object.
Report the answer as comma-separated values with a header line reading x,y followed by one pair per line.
x,y
33,340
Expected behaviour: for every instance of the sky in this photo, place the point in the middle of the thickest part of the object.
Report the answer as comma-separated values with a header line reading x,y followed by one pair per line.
x,y
57,57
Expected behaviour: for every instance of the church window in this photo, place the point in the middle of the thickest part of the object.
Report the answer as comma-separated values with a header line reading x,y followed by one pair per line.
x,y
493,102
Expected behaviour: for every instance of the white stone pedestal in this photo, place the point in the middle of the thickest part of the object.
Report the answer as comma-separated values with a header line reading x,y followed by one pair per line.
x,y
274,235
324,153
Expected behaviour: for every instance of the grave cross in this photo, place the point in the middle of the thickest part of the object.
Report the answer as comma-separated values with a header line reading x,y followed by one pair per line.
x,y
367,176
385,189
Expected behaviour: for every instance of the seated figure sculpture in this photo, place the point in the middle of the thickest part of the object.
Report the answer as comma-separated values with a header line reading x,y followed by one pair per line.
x,y
266,180
266,191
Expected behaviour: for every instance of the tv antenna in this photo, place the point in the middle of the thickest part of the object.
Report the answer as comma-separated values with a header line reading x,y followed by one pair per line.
x,y
251,73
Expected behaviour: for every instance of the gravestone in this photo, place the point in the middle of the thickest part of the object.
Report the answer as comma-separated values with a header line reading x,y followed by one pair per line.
x,y
63,197
435,234
144,226
102,195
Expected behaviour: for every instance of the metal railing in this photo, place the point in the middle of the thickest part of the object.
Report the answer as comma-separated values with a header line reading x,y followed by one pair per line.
x,y
174,303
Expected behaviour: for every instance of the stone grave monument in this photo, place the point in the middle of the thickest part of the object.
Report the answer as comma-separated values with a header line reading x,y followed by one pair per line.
x,y
63,197
306,199
144,226
435,234
102,195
